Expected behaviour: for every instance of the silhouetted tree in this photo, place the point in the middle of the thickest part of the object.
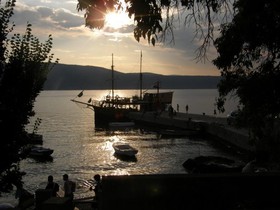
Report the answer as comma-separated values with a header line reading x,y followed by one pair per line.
x,y
248,50
249,59
25,65
148,16
5,13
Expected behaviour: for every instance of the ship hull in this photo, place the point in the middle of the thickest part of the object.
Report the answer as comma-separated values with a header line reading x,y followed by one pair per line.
x,y
105,115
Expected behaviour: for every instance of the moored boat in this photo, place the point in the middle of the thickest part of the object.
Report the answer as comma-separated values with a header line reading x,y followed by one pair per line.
x,y
40,152
124,149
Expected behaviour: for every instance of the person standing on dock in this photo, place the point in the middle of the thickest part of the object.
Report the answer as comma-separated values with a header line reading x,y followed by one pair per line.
x,y
69,187
52,186
187,108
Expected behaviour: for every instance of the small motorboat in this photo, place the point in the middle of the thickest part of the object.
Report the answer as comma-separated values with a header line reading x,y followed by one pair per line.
x,y
124,149
40,152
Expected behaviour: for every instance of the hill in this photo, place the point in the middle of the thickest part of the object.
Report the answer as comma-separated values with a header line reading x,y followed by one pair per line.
x,y
75,77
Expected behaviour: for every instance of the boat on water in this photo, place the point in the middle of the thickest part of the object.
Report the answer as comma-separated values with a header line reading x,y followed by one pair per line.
x,y
40,152
169,133
124,149
113,108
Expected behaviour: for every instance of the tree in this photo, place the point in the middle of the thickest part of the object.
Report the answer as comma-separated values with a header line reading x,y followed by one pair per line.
x,y
148,16
26,63
248,50
249,53
5,14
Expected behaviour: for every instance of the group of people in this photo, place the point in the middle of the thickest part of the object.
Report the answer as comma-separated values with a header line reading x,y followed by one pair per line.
x,y
172,112
187,108
68,186
25,197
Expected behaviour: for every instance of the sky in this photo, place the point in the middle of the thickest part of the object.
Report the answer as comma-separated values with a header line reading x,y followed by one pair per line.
x,y
73,43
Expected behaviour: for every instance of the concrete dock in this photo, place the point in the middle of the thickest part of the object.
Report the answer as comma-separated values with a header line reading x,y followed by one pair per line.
x,y
216,127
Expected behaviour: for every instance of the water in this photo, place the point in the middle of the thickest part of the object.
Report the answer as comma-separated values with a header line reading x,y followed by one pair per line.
x,y
82,151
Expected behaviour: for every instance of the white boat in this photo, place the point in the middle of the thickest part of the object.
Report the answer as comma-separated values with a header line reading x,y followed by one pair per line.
x,y
124,149
40,152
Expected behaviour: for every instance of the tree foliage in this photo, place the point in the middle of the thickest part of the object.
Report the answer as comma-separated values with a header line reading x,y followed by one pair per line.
x,y
5,14
249,53
148,16
26,63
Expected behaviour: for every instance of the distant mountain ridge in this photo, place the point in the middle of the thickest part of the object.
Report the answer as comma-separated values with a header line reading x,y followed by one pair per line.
x,y
75,77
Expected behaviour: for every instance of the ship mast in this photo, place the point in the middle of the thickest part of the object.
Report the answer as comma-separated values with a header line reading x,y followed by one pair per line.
x,y
112,67
141,76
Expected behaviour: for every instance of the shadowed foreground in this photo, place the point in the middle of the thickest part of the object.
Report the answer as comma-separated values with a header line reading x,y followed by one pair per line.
x,y
219,191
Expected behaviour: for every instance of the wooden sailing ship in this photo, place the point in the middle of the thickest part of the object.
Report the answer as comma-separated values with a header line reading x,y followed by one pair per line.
x,y
114,108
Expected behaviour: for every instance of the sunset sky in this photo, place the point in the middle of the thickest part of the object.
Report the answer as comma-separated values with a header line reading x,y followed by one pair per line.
x,y
75,44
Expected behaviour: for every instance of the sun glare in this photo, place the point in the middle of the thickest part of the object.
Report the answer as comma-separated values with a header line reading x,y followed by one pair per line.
x,y
117,20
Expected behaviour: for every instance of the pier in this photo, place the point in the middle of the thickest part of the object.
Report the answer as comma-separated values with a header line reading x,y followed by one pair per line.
x,y
215,127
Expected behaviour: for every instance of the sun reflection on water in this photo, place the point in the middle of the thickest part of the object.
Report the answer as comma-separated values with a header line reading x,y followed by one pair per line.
x,y
83,151
122,171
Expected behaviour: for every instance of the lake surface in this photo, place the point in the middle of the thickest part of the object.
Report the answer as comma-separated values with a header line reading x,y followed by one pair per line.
x,y
82,151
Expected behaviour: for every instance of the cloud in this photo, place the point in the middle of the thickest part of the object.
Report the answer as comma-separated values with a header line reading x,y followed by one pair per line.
x,y
66,19
47,17
45,12
76,44
125,30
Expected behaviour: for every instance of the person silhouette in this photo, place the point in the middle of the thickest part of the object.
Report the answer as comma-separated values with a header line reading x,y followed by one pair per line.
x,y
52,186
68,187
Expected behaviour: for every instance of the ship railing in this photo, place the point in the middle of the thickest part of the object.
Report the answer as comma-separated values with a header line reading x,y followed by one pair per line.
x,y
95,103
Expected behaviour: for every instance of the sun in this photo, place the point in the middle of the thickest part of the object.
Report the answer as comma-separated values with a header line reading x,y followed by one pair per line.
x,y
117,20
